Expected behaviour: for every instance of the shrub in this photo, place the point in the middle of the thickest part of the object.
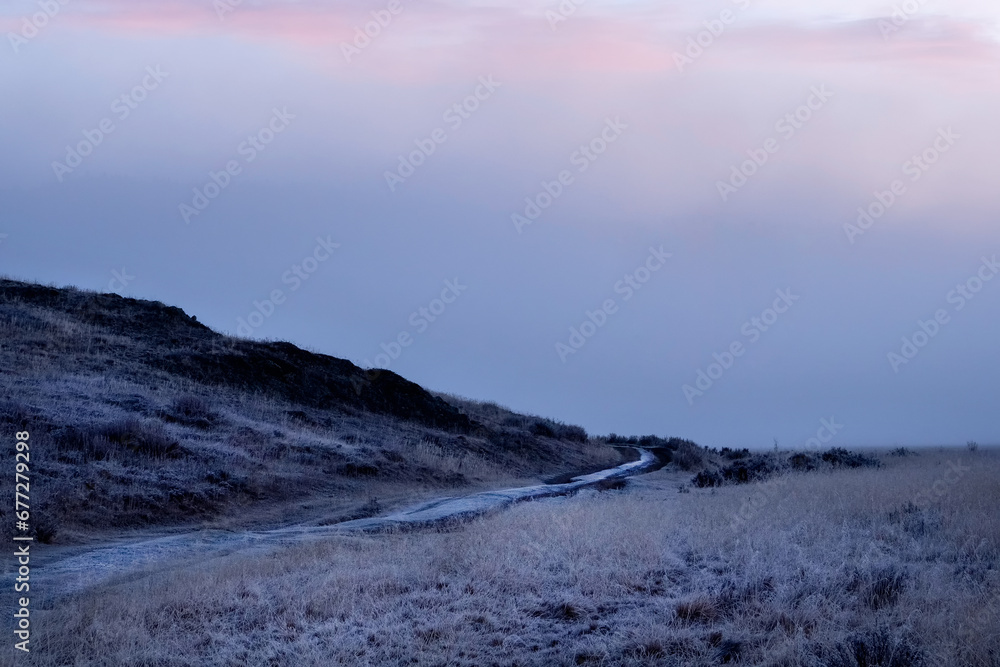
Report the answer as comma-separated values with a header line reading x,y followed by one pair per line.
x,y
546,428
651,441
972,445
733,454
839,458
749,467
574,433
802,461
707,478
542,430
675,443
689,456
753,469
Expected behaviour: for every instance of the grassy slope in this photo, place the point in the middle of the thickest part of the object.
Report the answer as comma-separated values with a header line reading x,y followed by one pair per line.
x,y
893,566
141,416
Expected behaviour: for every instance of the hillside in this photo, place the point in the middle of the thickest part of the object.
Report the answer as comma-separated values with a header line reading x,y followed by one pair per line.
x,y
142,416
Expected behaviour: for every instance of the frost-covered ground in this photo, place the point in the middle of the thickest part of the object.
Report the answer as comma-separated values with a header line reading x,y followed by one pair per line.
x,y
890,566
134,558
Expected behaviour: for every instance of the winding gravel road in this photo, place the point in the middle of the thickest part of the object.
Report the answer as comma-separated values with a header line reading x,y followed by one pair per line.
x,y
132,559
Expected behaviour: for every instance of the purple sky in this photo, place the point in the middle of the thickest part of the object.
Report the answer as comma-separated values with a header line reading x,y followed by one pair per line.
x,y
640,217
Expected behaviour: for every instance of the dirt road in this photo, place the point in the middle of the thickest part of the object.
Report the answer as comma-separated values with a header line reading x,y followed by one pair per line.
x,y
66,572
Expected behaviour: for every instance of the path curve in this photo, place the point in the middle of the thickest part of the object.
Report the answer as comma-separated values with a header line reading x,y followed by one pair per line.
x,y
138,558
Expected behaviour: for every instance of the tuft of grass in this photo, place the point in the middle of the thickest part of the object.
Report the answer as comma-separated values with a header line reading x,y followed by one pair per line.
x,y
879,587
560,611
191,410
880,647
699,610
128,440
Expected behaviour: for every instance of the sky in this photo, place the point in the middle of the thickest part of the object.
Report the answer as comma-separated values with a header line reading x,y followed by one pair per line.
x,y
736,221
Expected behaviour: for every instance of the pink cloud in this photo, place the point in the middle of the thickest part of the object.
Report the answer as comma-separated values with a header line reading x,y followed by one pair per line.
x,y
442,40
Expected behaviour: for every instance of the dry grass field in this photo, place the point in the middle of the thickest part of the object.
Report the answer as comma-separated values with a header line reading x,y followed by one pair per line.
x,y
887,566
144,422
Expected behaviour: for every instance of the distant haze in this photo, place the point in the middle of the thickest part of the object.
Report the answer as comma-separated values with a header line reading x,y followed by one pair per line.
x,y
725,221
